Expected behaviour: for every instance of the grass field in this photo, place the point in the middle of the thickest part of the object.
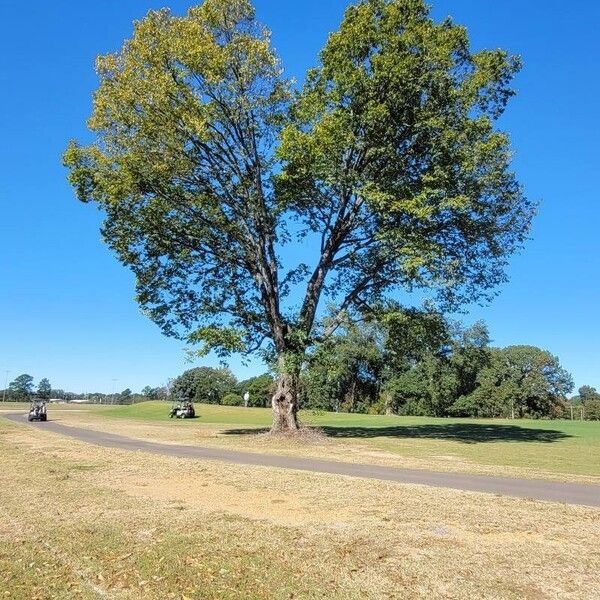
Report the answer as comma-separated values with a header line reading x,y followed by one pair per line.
x,y
553,449
83,522
563,450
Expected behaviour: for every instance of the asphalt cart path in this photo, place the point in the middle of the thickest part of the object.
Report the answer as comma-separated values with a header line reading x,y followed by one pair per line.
x,y
537,489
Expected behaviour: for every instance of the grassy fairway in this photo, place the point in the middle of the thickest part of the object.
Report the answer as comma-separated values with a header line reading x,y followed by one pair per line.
x,y
83,522
538,448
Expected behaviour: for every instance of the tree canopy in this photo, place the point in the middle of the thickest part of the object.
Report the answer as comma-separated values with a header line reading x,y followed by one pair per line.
x,y
21,387
204,384
521,381
206,162
44,389
589,399
437,368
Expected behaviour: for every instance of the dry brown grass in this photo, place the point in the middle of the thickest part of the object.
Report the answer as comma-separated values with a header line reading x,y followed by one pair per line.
x,y
78,521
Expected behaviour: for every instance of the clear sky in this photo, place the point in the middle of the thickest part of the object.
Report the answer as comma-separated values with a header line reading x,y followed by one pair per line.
x,y
66,305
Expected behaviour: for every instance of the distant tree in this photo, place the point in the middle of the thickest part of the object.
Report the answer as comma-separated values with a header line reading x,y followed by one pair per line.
x,y
343,372
161,392
260,388
520,381
126,393
415,343
153,393
388,158
590,399
98,397
373,366
587,392
591,409
204,384
21,388
44,389
470,354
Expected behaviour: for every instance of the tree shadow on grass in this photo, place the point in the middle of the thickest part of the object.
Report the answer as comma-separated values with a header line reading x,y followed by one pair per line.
x,y
467,433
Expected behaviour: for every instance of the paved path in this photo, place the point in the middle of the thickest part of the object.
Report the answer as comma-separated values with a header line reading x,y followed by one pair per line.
x,y
538,489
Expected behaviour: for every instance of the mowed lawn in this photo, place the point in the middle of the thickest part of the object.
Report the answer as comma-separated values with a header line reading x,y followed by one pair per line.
x,y
536,446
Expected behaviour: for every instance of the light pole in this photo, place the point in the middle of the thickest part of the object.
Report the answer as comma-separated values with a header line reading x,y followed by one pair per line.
x,y
5,384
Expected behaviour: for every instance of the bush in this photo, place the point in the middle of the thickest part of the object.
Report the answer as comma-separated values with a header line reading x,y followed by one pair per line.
x,y
377,408
232,400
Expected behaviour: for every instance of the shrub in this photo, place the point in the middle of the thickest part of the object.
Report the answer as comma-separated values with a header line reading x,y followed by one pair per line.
x,y
232,400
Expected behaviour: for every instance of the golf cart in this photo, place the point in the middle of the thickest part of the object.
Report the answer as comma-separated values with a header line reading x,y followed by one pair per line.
x,y
182,409
37,411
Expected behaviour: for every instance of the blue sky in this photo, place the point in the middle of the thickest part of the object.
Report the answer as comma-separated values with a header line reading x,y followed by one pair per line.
x,y
66,305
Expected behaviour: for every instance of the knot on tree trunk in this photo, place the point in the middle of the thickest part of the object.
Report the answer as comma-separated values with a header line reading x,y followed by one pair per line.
x,y
285,404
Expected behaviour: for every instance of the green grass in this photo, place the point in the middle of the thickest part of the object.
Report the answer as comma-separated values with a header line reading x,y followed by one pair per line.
x,y
560,447
207,413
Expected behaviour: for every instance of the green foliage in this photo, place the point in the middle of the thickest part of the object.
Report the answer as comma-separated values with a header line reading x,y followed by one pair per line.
x,y
417,363
232,400
185,119
154,393
587,393
388,156
204,384
44,389
589,399
342,373
521,380
148,392
394,130
260,388
21,388
592,409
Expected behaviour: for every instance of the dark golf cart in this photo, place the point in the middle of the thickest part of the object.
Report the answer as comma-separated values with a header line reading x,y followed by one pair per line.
x,y
37,411
182,409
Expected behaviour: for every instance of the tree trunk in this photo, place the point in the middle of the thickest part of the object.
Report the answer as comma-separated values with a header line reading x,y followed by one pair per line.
x,y
390,409
285,400
353,407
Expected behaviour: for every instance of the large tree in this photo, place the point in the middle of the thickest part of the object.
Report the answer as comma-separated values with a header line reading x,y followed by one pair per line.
x,y
519,381
206,162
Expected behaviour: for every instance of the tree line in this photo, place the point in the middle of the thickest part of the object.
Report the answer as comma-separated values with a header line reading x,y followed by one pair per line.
x,y
413,363
403,362
22,388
